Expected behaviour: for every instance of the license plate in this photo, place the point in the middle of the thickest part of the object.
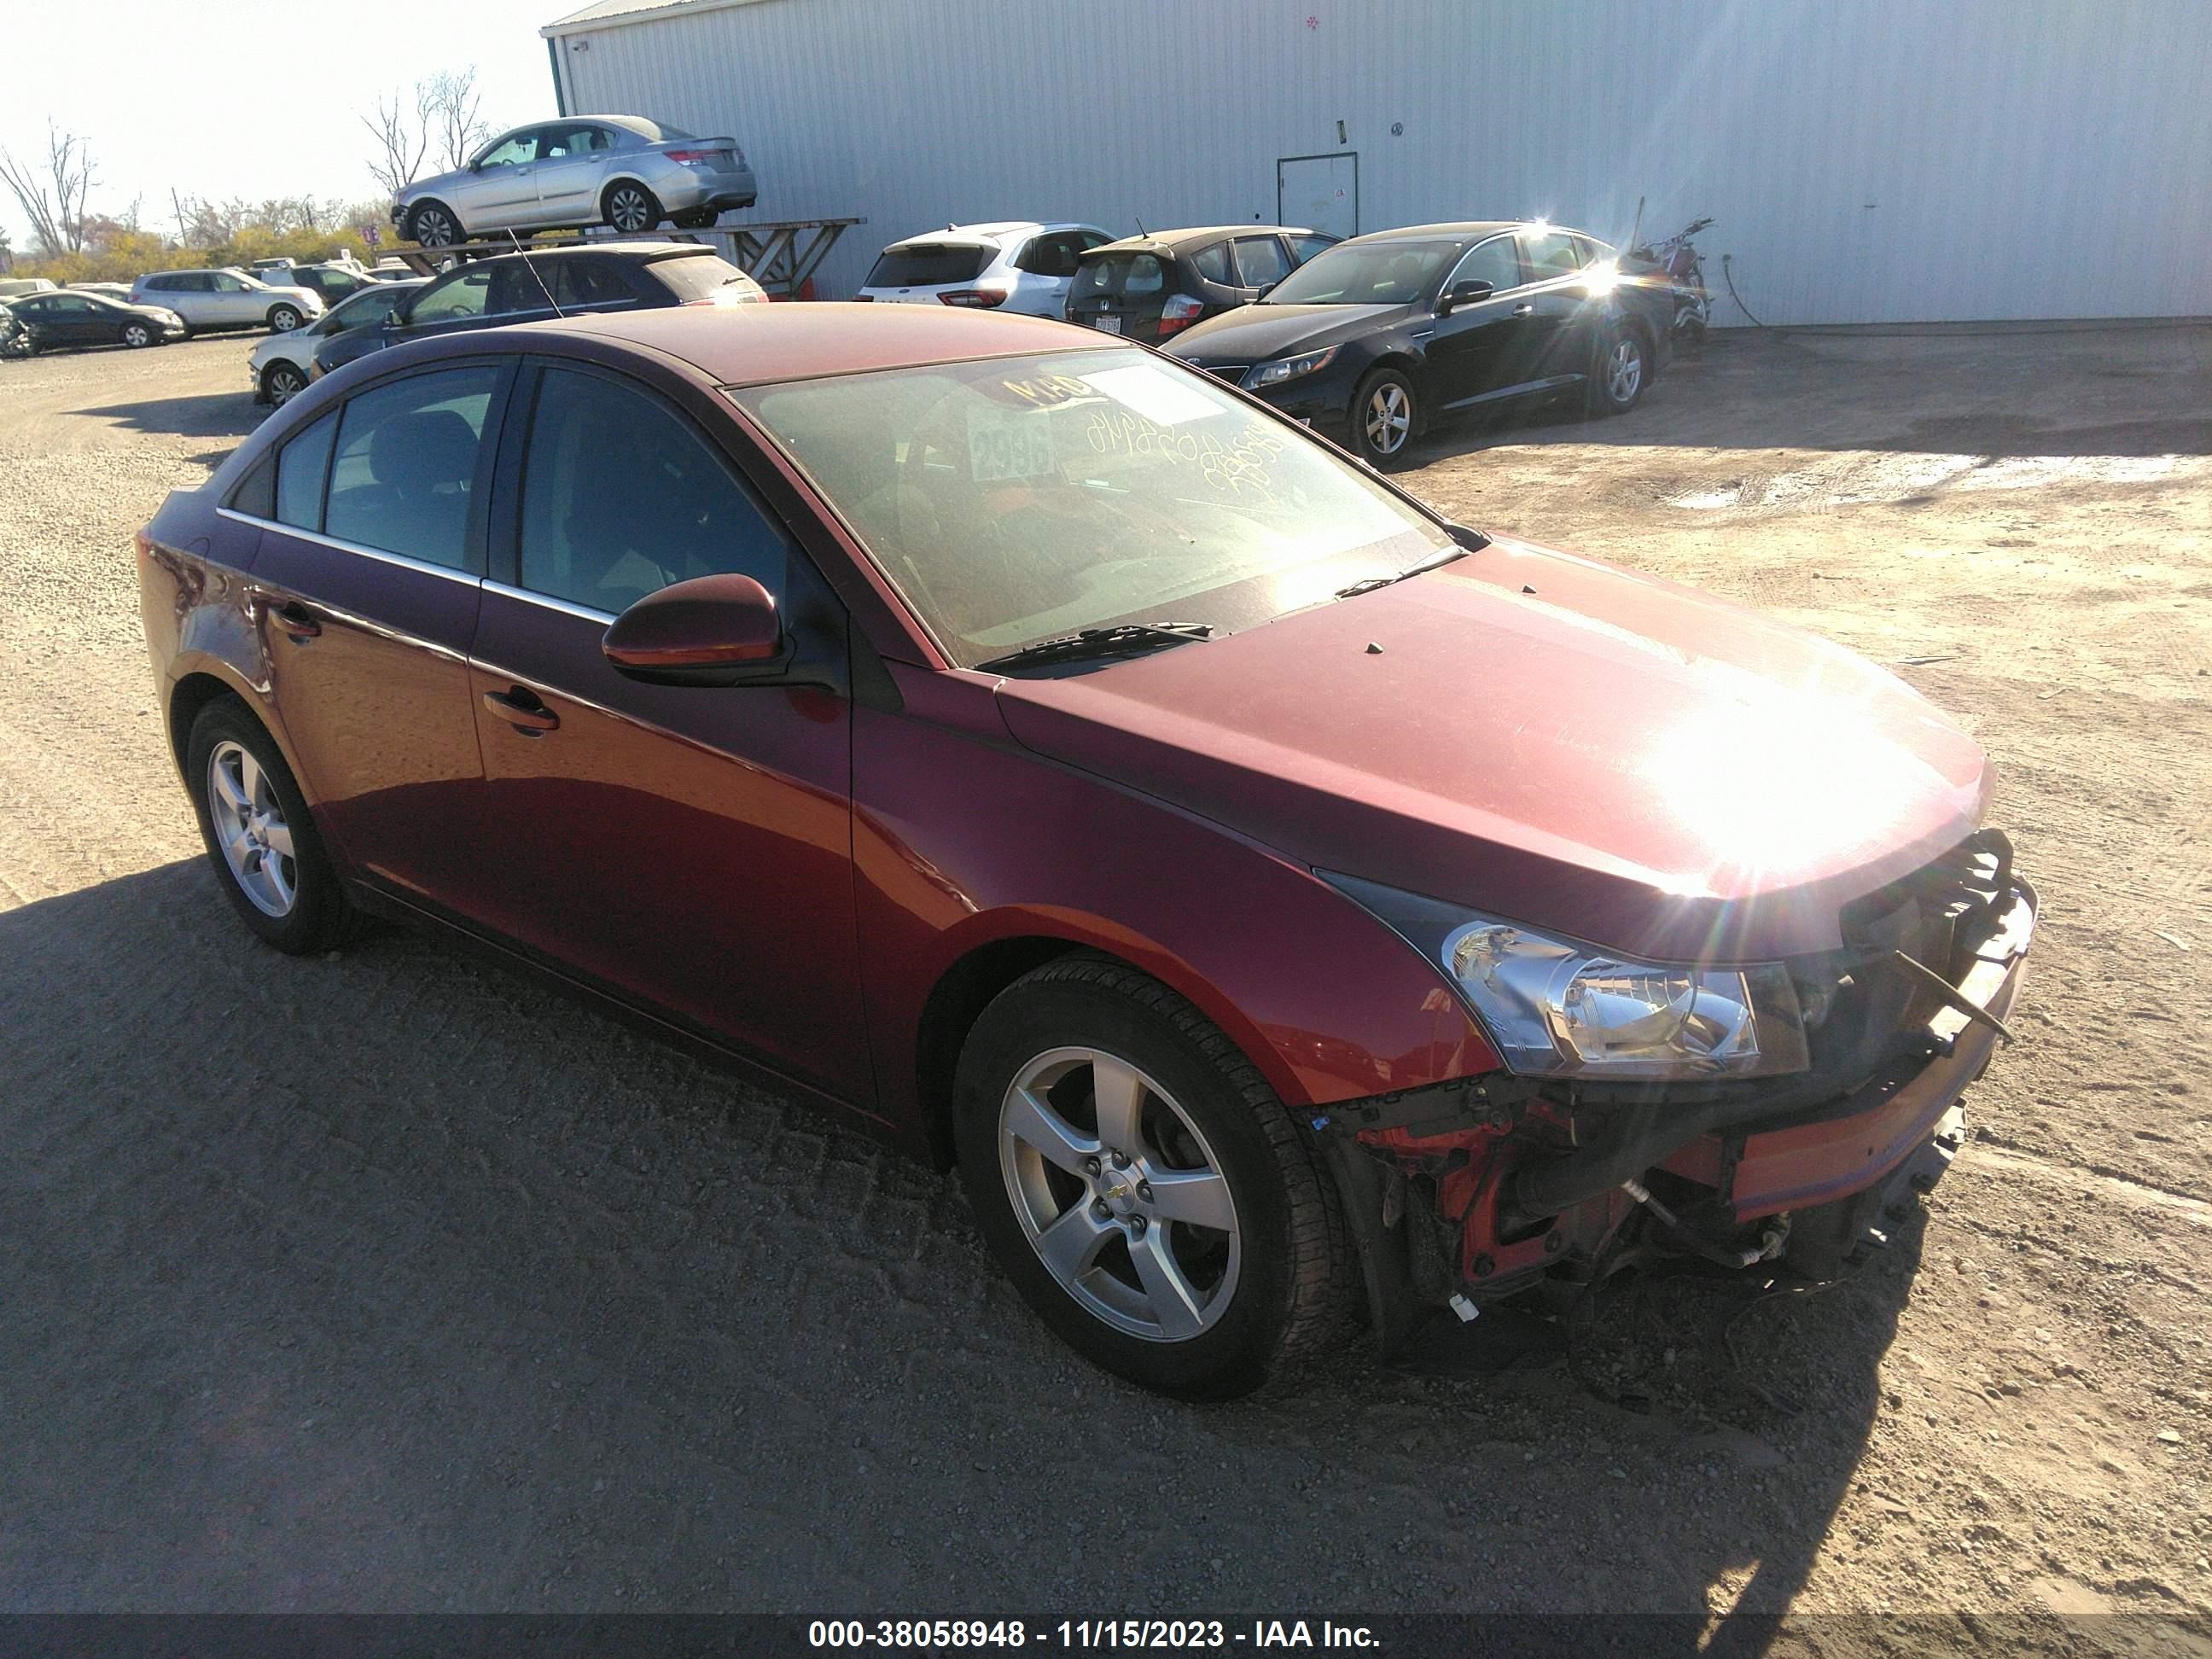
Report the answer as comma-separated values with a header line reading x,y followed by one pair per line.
x,y
1106,325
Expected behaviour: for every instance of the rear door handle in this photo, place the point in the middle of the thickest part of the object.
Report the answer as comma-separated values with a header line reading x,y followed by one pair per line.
x,y
1524,311
522,710
292,619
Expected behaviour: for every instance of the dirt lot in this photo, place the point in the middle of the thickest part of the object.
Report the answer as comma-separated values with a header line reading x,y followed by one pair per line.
x,y
392,1281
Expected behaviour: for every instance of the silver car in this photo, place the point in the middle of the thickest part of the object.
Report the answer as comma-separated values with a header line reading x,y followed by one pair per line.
x,y
227,298
618,170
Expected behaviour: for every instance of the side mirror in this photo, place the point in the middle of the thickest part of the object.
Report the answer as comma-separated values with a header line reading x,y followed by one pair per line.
x,y
1463,294
477,166
711,630
1264,290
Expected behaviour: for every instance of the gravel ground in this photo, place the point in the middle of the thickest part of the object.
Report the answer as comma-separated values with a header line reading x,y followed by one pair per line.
x,y
390,1281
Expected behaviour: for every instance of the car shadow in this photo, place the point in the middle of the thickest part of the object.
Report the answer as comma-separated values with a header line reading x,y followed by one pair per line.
x,y
2134,392
388,1279
206,414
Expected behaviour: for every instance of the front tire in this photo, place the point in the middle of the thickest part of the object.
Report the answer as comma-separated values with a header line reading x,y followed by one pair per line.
x,y
283,319
267,854
630,208
1144,1188
1622,368
134,335
1385,416
429,225
280,382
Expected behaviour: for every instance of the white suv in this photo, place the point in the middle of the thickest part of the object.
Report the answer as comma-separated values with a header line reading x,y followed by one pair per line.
x,y
226,299
1015,266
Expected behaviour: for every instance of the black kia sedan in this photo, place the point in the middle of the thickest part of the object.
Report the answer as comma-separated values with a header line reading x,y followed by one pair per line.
x,y
1151,286
1377,339
559,282
70,317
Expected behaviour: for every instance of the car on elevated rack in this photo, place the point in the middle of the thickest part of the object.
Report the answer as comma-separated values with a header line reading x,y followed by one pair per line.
x,y
1377,339
1156,283
618,170
1275,898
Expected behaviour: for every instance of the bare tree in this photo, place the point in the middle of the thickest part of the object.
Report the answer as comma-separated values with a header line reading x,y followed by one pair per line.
x,y
52,194
402,139
456,115
7,252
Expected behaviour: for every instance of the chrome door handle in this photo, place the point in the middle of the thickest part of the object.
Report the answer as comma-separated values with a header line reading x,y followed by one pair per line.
x,y
1524,311
522,711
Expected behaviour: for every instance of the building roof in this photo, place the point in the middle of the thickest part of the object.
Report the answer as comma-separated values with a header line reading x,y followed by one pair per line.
x,y
753,344
610,14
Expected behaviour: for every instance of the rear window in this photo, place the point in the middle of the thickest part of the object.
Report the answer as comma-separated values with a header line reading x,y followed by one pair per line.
x,y
692,277
928,265
1124,276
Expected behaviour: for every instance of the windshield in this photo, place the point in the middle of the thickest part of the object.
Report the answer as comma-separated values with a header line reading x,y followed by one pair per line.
x,y
1366,274
1019,499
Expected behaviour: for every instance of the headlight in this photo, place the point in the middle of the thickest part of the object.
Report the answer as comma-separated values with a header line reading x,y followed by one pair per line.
x,y
1557,1008
1286,369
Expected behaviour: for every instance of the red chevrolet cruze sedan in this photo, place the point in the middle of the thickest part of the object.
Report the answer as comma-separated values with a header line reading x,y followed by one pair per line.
x,y
1287,908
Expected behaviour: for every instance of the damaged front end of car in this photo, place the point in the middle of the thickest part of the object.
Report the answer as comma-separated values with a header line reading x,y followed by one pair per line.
x,y
1781,1113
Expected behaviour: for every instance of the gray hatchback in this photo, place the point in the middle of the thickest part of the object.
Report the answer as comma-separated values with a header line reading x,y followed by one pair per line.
x,y
618,170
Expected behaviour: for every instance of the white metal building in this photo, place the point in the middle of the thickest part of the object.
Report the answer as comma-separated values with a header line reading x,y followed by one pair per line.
x,y
1866,161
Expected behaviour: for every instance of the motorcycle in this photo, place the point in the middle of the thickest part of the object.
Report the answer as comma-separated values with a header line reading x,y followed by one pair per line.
x,y
1676,260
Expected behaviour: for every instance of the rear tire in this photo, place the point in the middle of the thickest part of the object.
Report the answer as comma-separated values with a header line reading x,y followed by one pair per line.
x,y
1206,1312
630,208
1622,369
250,811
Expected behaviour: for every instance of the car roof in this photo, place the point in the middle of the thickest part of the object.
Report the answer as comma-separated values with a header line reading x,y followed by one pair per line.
x,y
1463,229
1175,241
991,235
644,251
752,345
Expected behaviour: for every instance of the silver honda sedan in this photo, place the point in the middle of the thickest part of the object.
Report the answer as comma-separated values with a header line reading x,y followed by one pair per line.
x,y
619,170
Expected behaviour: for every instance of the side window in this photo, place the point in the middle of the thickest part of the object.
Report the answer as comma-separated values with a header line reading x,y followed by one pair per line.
x,y
461,295
195,282
515,288
256,494
514,149
224,282
1550,257
621,498
1213,263
1304,248
1494,262
589,282
1261,261
300,466
407,462
1053,255
158,284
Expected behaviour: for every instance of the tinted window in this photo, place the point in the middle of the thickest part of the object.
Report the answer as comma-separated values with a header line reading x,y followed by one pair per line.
x,y
1125,276
158,284
1213,263
301,466
1550,256
463,293
1304,248
589,282
406,464
621,498
927,264
1494,262
256,491
1261,261
1366,274
701,276
1055,254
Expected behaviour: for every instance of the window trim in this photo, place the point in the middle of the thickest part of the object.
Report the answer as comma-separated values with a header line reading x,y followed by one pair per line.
x,y
1519,263
1282,252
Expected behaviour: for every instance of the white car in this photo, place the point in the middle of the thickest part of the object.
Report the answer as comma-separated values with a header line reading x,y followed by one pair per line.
x,y
1014,265
226,299
281,365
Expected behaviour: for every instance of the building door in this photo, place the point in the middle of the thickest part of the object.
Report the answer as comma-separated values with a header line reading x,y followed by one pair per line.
x,y
1319,193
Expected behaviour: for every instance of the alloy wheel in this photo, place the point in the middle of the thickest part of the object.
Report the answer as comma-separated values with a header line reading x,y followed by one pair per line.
x,y
1388,418
250,828
1119,1194
627,212
433,228
1624,369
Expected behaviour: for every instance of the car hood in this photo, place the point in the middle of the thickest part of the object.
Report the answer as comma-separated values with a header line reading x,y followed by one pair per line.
x,y
1548,739
1256,333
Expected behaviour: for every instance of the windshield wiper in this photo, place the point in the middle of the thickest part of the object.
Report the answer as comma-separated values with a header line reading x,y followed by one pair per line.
x,y
1429,563
1102,643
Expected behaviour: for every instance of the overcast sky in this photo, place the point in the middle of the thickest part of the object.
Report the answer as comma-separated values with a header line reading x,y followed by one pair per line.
x,y
251,98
